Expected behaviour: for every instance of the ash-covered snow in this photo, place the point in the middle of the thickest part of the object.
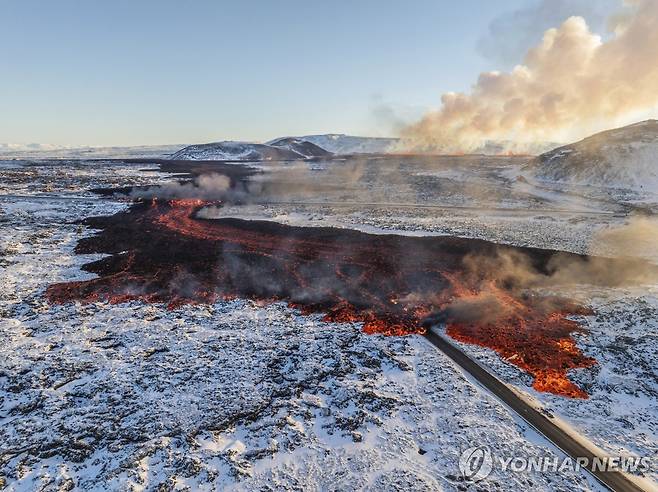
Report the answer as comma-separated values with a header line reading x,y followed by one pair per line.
x,y
231,396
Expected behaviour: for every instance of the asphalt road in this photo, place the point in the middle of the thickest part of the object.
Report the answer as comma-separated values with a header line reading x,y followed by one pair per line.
x,y
614,480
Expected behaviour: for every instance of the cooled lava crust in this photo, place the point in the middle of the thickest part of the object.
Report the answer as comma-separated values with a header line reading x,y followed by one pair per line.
x,y
394,285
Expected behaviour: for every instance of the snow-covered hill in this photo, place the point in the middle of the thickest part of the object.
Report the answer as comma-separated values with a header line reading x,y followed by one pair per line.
x,y
347,144
625,157
238,151
284,148
281,149
302,147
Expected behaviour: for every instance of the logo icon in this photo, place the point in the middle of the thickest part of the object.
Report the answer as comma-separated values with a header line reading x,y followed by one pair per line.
x,y
475,463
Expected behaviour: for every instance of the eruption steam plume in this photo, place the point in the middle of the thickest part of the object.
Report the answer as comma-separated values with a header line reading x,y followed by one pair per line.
x,y
572,84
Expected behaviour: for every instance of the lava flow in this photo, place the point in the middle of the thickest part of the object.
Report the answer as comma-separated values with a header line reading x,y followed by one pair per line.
x,y
394,285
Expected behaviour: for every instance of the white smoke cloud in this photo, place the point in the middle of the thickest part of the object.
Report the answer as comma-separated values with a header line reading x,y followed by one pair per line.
x,y
570,85
211,186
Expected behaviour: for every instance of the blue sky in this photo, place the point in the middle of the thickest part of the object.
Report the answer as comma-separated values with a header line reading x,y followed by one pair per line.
x,y
164,71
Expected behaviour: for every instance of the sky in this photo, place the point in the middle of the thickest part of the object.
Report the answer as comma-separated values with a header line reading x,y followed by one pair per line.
x,y
182,71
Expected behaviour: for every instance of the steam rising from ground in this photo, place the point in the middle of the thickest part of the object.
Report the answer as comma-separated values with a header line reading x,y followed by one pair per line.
x,y
294,181
483,307
515,272
212,186
637,238
570,85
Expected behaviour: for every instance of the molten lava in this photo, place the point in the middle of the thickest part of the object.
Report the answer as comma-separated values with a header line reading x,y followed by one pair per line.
x,y
394,285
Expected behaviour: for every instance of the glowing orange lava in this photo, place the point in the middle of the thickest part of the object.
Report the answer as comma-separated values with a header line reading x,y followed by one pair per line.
x,y
394,285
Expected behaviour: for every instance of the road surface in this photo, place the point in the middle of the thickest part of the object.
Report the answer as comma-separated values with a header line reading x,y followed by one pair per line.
x,y
617,481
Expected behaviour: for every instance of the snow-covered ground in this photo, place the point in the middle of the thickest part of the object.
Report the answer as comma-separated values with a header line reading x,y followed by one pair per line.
x,y
242,396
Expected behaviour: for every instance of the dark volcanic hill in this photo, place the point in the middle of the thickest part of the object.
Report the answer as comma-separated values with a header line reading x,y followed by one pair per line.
x,y
236,151
282,149
302,147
